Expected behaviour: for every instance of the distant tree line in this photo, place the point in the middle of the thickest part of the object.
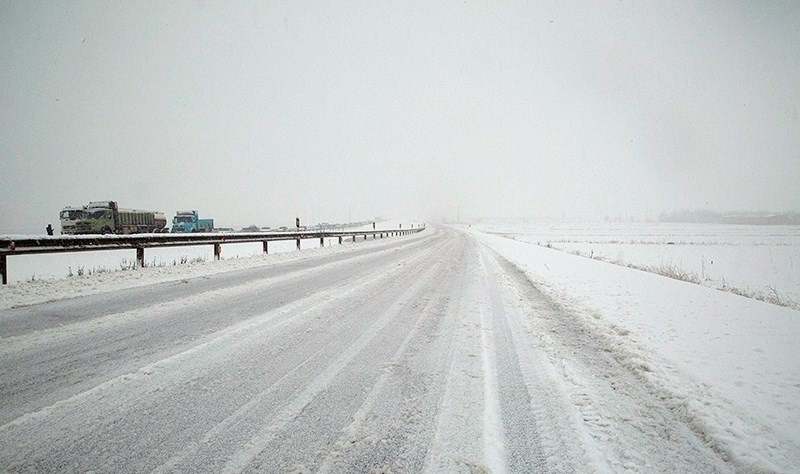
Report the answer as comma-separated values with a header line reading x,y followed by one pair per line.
x,y
704,216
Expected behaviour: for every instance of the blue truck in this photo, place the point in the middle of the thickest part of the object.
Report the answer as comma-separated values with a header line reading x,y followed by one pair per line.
x,y
189,221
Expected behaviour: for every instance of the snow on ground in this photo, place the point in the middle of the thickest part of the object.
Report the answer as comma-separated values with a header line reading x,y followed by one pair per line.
x,y
756,260
724,365
112,270
727,363
432,354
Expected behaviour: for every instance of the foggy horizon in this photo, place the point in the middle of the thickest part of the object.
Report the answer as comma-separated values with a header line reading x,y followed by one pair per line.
x,y
257,113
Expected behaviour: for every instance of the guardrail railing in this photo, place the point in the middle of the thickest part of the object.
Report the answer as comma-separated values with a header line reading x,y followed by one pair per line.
x,y
26,245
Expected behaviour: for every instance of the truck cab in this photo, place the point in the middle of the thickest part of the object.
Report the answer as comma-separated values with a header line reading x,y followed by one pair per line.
x,y
189,221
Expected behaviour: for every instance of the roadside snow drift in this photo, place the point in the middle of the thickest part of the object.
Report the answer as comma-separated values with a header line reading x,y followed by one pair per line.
x,y
727,363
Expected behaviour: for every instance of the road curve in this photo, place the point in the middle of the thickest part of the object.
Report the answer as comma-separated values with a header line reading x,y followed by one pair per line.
x,y
429,354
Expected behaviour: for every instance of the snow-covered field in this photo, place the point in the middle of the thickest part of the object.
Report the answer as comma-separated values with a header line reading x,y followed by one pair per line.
x,y
763,261
453,350
727,363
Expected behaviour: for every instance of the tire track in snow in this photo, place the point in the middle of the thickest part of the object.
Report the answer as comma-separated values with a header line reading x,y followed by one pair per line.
x,y
538,394
218,345
494,446
241,418
521,448
53,335
621,422
84,354
356,430
242,458
392,427
457,444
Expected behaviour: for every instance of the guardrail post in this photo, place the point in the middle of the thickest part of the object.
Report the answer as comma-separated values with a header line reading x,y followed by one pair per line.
x,y
322,241
217,251
340,240
4,269
298,244
140,257
266,250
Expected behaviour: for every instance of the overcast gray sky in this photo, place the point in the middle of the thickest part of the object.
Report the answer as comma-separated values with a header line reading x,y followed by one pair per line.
x,y
254,112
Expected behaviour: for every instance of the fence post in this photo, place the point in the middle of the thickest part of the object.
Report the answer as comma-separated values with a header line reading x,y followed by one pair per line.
x,y
4,269
140,256
266,250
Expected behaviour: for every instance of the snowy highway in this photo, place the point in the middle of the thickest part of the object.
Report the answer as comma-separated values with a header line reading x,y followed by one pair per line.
x,y
427,353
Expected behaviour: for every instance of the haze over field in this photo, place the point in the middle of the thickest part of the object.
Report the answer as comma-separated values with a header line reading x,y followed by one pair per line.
x,y
255,113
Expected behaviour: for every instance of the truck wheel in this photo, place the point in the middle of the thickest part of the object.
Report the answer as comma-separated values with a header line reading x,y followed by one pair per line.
x,y
106,230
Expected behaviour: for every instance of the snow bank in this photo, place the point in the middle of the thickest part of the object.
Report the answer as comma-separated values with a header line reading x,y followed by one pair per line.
x,y
726,363
42,290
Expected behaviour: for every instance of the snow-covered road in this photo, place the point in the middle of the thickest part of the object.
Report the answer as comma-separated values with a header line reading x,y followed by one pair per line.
x,y
430,353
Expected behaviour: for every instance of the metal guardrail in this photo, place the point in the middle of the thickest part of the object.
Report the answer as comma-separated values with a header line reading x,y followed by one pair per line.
x,y
26,245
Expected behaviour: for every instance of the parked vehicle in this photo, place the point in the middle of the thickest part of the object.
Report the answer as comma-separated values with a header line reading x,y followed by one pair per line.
x,y
189,221
105,217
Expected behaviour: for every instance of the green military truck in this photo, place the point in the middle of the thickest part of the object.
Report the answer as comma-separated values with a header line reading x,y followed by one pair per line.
x,y
105,217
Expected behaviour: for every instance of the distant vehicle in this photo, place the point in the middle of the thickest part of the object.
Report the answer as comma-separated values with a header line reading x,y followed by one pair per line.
x,y
105,217
225,229
251,228
189,221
